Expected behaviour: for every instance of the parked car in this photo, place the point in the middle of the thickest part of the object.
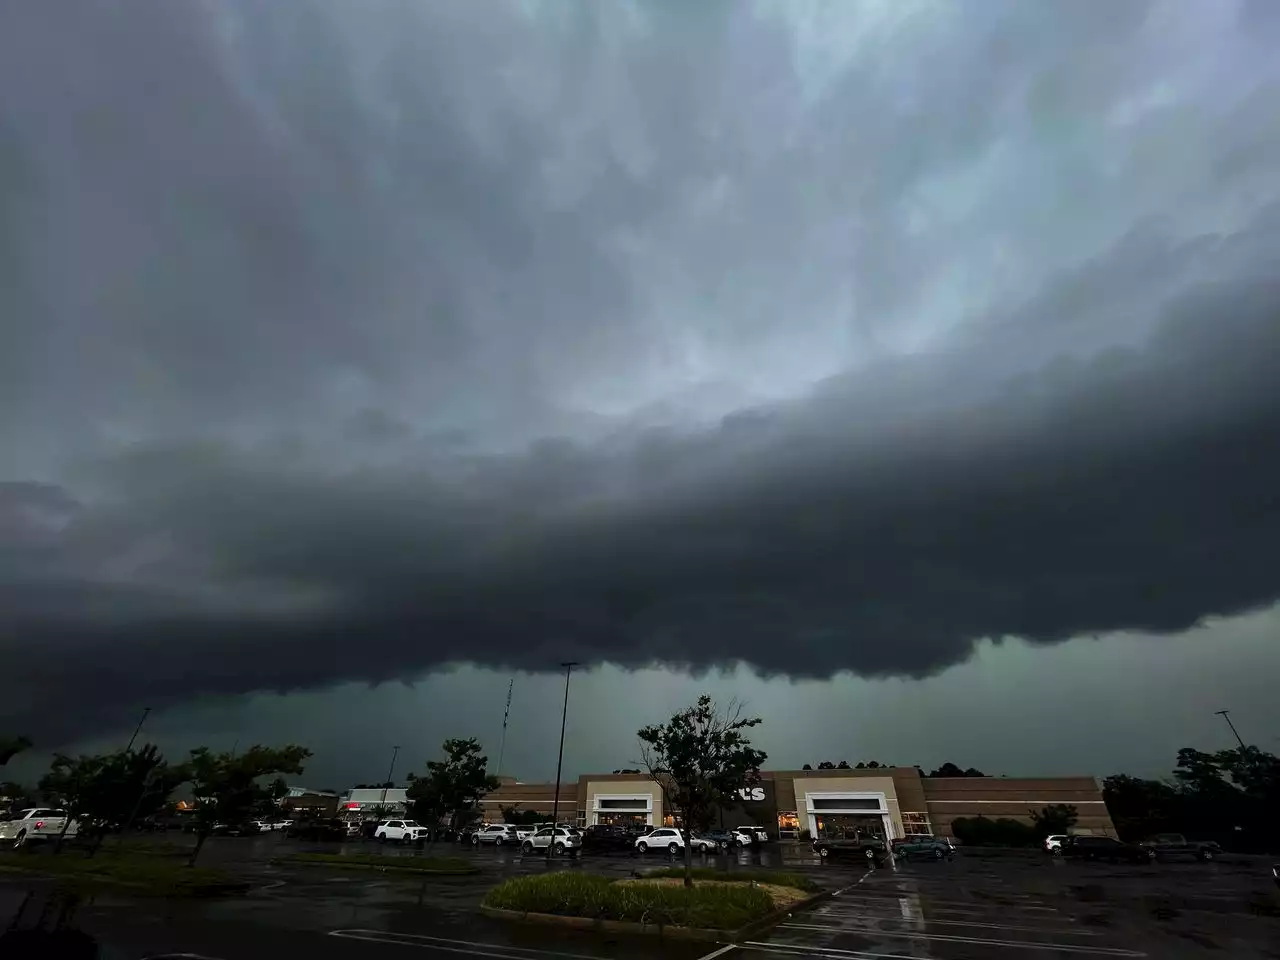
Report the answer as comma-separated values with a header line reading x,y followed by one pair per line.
x,y
399,831
1106,848
606,838
923,845
247,828
36,824
563,841
1169,846
496,834
757,834
672,840
851,847
1053,843
317,830
727,839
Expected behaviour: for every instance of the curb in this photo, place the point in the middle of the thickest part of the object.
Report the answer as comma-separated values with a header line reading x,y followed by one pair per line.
x,y
385,868
598,925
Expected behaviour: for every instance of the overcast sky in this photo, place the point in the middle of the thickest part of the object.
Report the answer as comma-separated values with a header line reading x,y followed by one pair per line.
x,y
908,369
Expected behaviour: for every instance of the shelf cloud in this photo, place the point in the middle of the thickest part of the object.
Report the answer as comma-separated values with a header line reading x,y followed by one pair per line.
x,y
342,342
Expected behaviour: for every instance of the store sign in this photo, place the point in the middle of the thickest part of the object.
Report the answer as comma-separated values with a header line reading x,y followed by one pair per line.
x,y
751,793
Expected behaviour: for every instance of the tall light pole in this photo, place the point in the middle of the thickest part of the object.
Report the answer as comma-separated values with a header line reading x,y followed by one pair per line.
x,y
146,711
1226,715
395,751
555,803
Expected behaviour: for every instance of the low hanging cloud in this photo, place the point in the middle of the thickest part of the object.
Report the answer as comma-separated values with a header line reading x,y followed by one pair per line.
x,y
666,335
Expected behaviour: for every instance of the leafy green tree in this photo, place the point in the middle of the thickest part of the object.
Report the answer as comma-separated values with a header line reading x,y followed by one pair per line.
x,y
701,759
452,787
75,785
228,787
521,818
1055,818
951,770
10,747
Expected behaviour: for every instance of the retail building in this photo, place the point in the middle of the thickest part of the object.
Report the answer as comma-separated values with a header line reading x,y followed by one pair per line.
x,y
886,801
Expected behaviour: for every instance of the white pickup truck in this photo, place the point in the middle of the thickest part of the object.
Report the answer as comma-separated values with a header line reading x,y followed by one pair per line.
x,y
36,823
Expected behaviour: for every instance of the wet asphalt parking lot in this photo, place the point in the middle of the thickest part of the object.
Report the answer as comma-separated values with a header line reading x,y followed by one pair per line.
x,y
977,907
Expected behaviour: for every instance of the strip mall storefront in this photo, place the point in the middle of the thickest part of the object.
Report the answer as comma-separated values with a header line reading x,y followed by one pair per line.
x,y
796,804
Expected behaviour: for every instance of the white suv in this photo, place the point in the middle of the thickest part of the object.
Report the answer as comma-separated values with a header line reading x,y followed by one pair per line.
x,y
662,838
566,841
1053,843
495,833
403,831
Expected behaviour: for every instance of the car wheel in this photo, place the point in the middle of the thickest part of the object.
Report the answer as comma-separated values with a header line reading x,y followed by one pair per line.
x,y
497,841
938,853
475,841
20,840
822,852
642,847
902,855
673,848
1206,855
559,849
527,847
869,854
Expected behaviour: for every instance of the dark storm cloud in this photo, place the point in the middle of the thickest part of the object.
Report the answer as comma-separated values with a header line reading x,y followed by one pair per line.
x,y
445,333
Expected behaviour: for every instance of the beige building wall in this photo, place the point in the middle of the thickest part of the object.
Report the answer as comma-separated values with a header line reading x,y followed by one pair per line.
x,y
596,789
804,786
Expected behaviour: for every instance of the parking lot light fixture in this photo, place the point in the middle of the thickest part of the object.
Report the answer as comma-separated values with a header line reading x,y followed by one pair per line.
x,y
555,802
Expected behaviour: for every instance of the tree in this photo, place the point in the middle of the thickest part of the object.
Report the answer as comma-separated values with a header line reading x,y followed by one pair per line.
x,y
521,818
701,759
11,747
826,765
228,786
951,770
452,787
844,765
627,770
1055,818
807,766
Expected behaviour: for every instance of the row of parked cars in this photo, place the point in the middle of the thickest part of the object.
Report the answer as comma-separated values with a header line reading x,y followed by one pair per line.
x,y
1163,846
605,838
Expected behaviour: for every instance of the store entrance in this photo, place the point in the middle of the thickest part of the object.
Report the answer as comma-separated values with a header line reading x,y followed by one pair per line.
x,y
851,826
628,821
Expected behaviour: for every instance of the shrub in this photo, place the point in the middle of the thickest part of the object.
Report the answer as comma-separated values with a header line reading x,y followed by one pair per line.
x,y
589,895
1001,832
797,880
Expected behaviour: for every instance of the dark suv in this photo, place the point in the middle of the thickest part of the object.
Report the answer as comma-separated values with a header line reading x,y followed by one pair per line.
x,y
852,846
1106,848
607,838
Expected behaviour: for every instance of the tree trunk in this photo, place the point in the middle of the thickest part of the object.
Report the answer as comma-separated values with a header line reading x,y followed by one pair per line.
x,y
688,855
201,836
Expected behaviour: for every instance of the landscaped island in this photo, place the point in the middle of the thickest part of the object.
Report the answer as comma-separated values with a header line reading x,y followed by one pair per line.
x,y
718,900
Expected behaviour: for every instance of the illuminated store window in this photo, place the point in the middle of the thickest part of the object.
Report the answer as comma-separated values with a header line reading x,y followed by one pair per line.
x,y
916,823
788,825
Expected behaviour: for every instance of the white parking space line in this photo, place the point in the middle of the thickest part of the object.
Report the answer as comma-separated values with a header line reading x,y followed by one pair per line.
x,y
836,953
445,945
720,952
995,942
850,924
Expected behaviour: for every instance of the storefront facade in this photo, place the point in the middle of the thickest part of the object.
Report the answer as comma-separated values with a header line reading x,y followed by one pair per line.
x,y
801,804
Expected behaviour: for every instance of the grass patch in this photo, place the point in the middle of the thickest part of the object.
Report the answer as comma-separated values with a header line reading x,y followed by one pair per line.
x,y
144,874
442,866
796,880
709,907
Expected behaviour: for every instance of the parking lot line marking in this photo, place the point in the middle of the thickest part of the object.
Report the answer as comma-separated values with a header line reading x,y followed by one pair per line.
x,y
501,950
929,922
1019,944
870,871
832,953
719,953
